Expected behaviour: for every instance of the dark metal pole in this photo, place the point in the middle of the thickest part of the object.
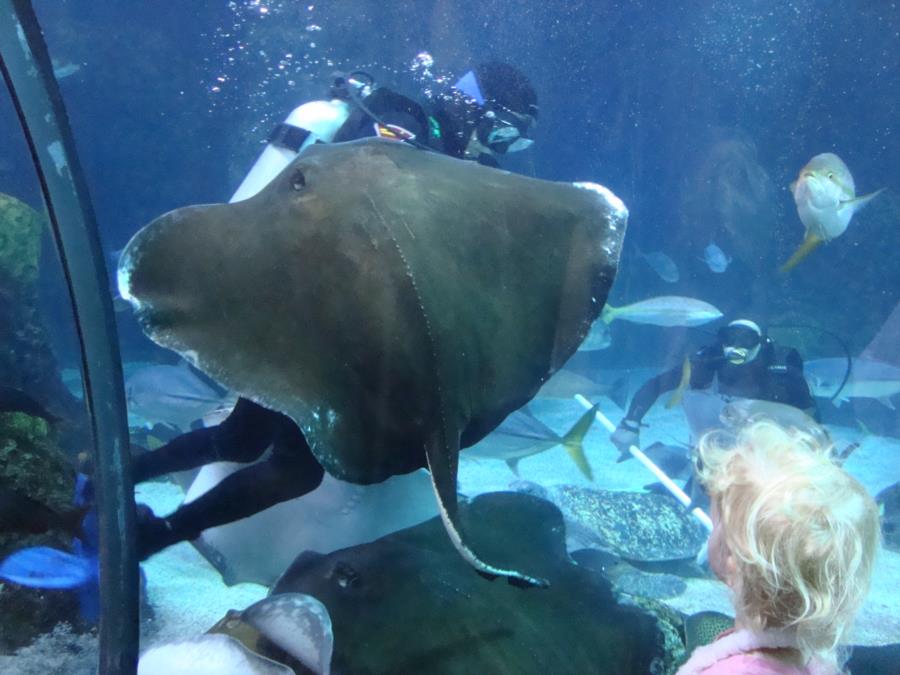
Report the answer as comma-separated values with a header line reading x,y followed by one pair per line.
x,y
28,73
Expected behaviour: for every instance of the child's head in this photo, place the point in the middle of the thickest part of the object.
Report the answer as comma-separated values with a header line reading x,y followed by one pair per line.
x,y
799,533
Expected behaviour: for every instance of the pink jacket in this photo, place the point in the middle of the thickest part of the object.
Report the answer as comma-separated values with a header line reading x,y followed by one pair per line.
x,y
729,654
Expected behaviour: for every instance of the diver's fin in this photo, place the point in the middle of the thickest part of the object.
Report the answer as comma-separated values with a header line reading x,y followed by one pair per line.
x,y
860,202
618,393
513,465
442,453
682,384
573,440
807,247
608,314
45,567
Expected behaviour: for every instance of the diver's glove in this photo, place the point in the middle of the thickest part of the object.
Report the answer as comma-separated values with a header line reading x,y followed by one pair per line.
x,y
628,433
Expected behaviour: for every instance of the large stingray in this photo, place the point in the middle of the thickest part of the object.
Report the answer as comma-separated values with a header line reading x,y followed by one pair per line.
x,y
396,303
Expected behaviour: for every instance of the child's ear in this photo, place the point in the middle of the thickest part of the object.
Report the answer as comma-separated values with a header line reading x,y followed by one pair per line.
x,y
731,570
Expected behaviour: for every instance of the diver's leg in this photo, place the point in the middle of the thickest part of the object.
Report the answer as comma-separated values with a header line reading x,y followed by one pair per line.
x,y
242,437
288,473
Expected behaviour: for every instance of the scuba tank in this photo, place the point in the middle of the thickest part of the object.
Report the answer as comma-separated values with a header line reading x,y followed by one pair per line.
x,y
312,122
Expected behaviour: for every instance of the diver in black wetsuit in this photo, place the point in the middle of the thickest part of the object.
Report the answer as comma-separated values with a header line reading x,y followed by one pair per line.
x,y
744,362
490,112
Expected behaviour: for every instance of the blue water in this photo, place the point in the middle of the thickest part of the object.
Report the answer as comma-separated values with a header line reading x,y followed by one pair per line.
x,y
698,115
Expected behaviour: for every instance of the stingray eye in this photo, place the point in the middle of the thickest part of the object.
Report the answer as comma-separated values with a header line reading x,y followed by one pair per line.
x,y
345,575
830,175
298,180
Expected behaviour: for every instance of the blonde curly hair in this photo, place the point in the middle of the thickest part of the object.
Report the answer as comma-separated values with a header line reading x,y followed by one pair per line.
x,y
802,532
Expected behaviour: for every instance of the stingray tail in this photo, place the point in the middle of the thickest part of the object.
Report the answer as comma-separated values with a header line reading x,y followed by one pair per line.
x,y
442,462
574,439
807,247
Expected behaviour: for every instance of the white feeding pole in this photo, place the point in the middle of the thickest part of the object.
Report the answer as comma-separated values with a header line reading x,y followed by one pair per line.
x,y
636,452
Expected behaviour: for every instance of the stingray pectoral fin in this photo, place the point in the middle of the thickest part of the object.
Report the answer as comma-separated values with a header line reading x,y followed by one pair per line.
x,y
573,442
810,243
442,463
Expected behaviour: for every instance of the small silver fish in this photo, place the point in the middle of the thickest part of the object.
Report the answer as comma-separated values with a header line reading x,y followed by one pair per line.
x,y
826,200
868,378
172,395
715,258
565,383
743,411
598,338
522,435
664,310
662,264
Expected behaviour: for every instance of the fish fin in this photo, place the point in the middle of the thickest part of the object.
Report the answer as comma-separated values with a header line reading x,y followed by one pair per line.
x,y
618,393
682,385
887,402
45,567
838,402
808,245
513,465
574,439
442,453
608,314
860,202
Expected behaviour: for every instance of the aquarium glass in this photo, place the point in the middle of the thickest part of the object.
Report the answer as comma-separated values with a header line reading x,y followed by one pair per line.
x,y
350,321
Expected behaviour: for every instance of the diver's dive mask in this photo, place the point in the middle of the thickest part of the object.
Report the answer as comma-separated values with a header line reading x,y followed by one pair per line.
x,y
741,341
503,131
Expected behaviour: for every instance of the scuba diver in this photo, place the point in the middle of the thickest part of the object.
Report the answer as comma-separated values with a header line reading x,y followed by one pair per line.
x,y
489,112
743,363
